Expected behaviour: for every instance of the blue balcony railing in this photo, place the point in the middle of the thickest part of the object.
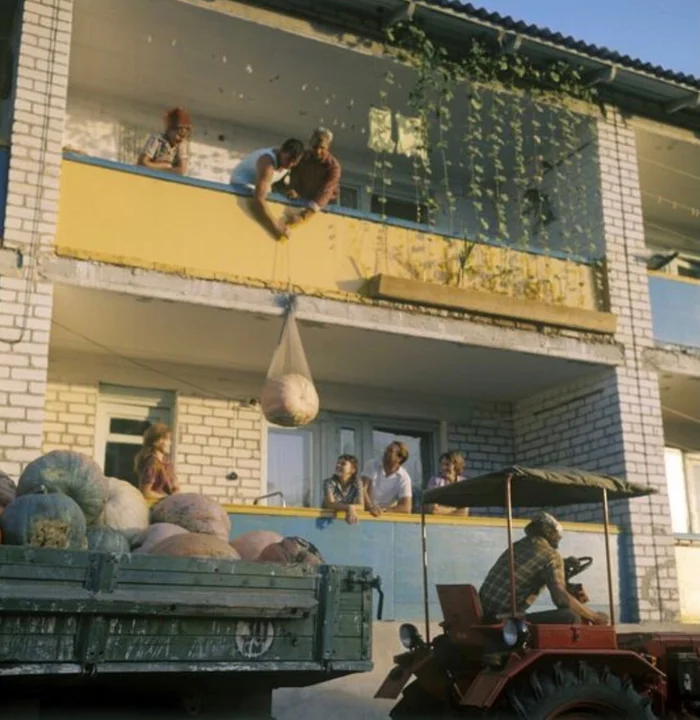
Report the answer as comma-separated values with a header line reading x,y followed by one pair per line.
x,y
675,310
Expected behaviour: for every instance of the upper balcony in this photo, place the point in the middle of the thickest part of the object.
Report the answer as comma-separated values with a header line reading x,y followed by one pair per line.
x,y
670,183
500,217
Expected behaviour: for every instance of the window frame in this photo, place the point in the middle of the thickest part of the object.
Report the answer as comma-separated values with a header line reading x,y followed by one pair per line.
x,y
325,441
691,502
130,403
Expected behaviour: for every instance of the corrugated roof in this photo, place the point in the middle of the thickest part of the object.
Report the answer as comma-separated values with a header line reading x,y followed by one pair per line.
x,y
565,41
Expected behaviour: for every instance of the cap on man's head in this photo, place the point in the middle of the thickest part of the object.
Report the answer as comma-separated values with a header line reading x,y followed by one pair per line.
x,y
548,521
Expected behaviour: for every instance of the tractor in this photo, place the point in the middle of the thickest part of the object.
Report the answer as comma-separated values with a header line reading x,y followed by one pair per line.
x,y
510,668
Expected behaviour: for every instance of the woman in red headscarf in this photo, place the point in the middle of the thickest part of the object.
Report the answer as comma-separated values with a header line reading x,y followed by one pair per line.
x,y
168,150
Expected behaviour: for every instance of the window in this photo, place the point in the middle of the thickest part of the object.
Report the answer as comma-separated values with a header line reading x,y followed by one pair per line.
x,y
299,460
399,208
290,467
123,416
348,197
683,481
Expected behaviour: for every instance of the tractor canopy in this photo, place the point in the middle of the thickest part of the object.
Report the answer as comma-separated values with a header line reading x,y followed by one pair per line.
x,y
550,487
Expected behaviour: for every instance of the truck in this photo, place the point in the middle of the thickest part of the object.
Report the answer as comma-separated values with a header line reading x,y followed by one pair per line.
x,y
189,636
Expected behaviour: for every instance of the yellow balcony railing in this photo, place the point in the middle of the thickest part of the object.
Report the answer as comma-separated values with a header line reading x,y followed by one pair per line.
x,y
137,218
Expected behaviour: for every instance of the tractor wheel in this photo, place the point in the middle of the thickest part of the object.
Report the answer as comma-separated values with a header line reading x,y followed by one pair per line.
x,y
574,693
418,703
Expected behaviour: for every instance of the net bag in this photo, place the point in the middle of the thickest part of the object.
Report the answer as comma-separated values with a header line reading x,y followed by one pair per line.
x,y
288,397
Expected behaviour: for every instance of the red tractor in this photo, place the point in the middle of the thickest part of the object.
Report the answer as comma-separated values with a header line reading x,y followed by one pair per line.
x,y
514,669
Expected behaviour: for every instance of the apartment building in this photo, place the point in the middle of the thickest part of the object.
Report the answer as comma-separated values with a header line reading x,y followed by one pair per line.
x,y
526,292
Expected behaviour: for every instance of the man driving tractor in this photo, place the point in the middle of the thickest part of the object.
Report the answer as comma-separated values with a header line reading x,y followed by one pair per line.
x,y
537,563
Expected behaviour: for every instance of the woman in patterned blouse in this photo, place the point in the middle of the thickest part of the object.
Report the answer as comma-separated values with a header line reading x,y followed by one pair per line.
x,y
451,471
344,491
154,470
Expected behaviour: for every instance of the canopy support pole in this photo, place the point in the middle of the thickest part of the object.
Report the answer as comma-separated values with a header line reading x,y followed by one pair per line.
x,y
511,551
606,525
424,544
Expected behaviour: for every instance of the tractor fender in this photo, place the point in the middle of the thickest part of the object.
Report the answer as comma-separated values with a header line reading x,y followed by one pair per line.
x,y
488,686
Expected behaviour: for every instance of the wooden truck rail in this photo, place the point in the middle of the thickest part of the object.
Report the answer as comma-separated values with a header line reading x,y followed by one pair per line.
x,y
99,613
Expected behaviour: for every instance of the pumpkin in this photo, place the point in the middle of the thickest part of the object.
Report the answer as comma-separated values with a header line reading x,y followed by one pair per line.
x,y
8,491
292,550
104,539
126,509
251,544
145,541
195,545
194,512
72,474
44,520
289,400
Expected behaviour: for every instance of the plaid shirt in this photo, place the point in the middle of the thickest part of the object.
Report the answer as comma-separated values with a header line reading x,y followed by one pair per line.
x,y
537,564
158,149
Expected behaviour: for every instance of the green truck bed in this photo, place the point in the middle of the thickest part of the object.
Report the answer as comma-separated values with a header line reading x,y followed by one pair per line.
x,y
79,613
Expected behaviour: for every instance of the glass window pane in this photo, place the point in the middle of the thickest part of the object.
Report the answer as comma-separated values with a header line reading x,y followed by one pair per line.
x,y
119,461
348,441
677,497
128,426
693,489
289,465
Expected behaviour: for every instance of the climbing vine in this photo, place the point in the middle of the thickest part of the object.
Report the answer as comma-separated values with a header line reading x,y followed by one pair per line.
x,y
506,128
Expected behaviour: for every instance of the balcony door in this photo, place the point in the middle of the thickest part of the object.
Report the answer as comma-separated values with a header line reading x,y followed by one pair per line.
x,y
123,415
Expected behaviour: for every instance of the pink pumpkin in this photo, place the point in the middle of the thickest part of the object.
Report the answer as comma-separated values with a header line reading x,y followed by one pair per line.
x,y
145,541
195,545
251,544
289,400
194,512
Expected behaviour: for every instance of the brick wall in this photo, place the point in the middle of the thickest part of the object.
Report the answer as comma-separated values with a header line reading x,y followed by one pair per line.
x,y
214,438
649,551
69,422
574,425
30,224
486,439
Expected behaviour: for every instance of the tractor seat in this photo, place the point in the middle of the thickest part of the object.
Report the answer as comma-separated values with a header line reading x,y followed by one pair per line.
x,y
461,606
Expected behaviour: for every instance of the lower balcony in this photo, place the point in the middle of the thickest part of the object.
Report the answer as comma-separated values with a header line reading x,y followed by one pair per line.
x,y
119,214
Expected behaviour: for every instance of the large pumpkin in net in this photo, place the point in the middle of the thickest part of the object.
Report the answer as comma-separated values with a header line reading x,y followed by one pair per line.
x,y
289,400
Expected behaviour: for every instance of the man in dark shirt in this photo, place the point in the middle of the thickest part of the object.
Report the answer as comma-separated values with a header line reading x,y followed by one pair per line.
x,y
316,179
537,563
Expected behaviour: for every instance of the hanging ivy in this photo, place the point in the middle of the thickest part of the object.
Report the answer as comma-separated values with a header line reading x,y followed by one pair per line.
x,y
518,128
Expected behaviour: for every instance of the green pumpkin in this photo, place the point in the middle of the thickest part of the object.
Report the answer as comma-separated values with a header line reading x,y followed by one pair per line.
x,y
53,521
70,473
104,539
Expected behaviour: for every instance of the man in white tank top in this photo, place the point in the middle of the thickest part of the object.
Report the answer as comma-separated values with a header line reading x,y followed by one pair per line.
x,y
260,170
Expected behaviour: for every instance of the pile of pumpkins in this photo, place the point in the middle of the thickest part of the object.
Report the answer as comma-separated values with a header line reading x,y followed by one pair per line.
x,y
62,500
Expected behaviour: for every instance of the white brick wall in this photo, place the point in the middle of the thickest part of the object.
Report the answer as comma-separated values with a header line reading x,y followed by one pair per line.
x,y
650,552
69,422
30,224
214,438
486,439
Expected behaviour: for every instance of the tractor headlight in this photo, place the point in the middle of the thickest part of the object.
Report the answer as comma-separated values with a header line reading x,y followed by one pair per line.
x,y
515,632
409,636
